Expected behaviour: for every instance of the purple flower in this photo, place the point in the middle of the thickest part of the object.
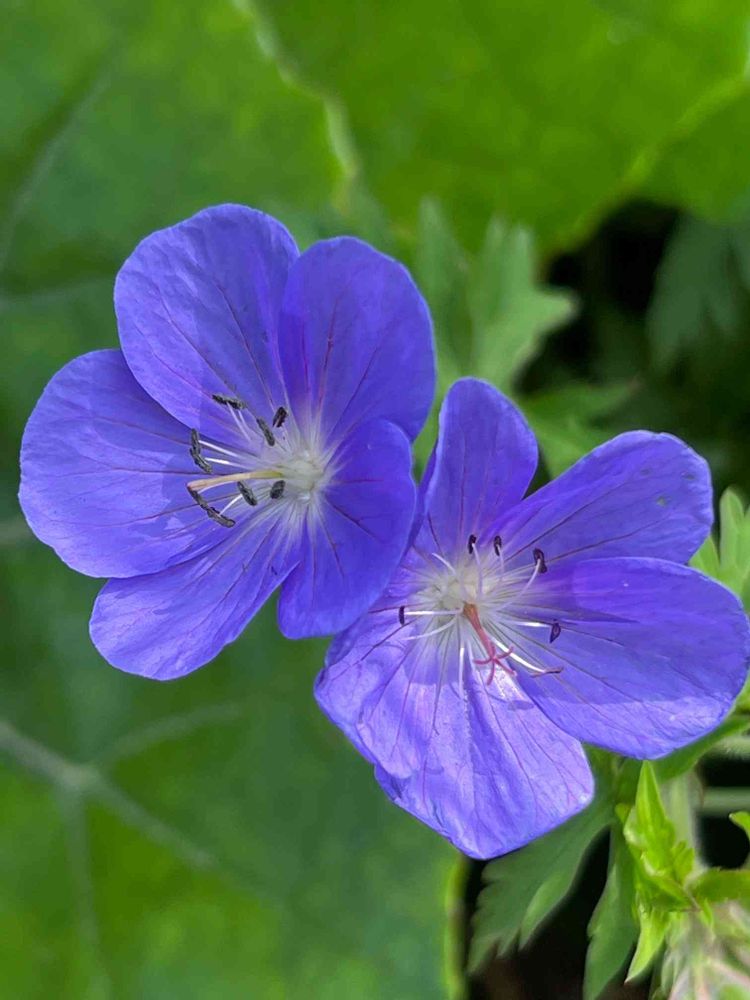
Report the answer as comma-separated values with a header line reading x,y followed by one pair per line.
x,y
513,629
254,432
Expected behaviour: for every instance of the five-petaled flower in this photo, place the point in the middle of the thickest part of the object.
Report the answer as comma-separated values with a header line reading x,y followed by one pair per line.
x,y
515,628
253,432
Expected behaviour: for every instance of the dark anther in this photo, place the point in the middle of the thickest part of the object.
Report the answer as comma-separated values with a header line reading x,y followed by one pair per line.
x,y
279,417
247,494
266,430
197,497
232,401
402,615
212,512
539,559
215,515
472,542
195,452
554,631
277,490
497,543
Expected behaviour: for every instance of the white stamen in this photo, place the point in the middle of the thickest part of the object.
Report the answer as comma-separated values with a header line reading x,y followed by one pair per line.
x,y
424,635
297,462
475,599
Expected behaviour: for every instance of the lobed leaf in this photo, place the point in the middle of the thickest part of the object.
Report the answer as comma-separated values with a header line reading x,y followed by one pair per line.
x,y
612,929
524,888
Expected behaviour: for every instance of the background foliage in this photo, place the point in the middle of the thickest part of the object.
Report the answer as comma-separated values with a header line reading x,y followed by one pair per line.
x,y
570,184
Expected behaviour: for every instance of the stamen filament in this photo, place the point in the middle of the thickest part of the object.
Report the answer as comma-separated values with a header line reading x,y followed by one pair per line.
x,y
424,635
234,477
224,451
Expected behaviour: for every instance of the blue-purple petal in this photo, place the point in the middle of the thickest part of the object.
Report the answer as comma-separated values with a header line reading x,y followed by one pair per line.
x,y
197,308
652,654
168,624
485,458
354,543
639,494
355,340
487,771
104,471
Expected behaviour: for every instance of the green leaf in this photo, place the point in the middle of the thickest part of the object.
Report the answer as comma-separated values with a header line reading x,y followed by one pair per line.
x,y
135,116
216,836
653,927
717,885
441,268
612,929
491,313
702,290
706,559
742,820
729,560
661,858
511,313
706,168
514,109
566,420
525,887
662,864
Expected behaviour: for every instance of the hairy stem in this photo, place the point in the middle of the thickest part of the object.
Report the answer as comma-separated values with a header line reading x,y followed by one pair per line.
x,y
722,801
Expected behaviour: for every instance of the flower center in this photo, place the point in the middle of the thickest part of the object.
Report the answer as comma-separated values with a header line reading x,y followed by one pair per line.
x,y
478,601
268,464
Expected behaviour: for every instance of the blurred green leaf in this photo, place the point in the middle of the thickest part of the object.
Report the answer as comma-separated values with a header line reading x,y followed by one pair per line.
x,y
539,113
135,116
491,314
491,310
211,837
441,270
702,291
525,887
565,420
612,929
510,312
706,168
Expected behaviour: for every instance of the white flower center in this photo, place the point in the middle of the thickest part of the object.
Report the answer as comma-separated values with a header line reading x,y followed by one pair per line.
x,y
268,465
475,603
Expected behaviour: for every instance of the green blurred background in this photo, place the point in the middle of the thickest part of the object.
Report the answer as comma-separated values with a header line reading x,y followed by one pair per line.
x,y
570,184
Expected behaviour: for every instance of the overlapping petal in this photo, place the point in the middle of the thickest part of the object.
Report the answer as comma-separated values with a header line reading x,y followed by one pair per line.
x,y
652,654
639,494
167,624
355,540
485,458
355,340
103,474
197,309
484,768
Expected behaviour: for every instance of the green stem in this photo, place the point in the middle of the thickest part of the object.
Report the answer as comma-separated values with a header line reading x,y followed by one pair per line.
x,y
737,747
722,801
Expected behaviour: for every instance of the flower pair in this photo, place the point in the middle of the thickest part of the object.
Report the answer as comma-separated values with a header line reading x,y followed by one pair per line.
x,y
254,432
